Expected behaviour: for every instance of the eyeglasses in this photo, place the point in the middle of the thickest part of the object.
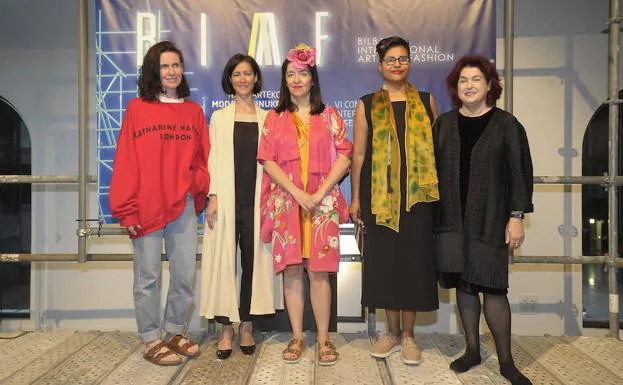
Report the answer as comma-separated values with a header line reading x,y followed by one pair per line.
x,y
390,60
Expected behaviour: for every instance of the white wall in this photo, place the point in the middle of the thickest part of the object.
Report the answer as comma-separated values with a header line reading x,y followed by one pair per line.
x,y
560,78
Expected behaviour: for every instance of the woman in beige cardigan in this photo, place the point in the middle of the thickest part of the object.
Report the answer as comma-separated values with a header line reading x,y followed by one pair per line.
x,y
232,218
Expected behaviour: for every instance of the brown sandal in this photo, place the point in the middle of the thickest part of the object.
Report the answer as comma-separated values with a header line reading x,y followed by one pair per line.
x,y
174,344
327,349
295,347
159,359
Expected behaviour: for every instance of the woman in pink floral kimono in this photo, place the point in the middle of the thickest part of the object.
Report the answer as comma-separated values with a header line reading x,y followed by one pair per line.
x,y
305,153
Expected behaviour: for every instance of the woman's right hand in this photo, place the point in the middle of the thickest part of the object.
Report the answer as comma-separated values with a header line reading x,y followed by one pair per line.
x,y
133,229
211,213
305,200
354,210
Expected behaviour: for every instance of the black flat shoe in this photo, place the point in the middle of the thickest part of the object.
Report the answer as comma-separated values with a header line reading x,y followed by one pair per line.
x,y
223,354
248,350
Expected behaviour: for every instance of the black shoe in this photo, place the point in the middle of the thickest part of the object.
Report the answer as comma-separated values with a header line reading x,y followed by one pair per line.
x,y
248,350
223,354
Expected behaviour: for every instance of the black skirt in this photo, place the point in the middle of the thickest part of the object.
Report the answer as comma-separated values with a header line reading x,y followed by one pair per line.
x,y
456,281
399,268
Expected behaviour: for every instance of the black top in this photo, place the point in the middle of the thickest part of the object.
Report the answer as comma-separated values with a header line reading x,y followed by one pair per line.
x,y
245,163
470,129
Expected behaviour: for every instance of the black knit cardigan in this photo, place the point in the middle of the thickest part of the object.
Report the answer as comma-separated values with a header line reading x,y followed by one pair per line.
x,y
500,182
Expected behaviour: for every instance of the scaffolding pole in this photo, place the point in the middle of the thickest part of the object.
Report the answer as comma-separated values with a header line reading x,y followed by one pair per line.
x,y
614,45
567,180
83,129
92,231
73,257
549,179
509,53
34,179
509,65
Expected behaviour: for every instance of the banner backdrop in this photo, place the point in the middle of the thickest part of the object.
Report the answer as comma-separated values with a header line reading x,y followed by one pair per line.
x,y
343,32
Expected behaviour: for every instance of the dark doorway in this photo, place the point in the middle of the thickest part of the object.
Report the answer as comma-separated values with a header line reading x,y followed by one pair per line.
x,y
15,212
595,218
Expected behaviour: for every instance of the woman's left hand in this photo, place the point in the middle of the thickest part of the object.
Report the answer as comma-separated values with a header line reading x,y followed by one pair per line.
x,y
514,233
318,196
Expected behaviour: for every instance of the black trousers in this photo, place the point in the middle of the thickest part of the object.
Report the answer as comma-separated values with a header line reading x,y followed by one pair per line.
x,y
244,238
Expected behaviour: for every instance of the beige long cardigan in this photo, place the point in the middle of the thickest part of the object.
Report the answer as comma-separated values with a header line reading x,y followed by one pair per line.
x,y
221,256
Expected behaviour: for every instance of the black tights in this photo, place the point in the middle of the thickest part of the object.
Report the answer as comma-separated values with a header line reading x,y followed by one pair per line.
x,y
498,316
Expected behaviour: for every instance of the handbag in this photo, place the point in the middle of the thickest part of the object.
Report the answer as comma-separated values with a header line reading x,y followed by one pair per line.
x,y
360,231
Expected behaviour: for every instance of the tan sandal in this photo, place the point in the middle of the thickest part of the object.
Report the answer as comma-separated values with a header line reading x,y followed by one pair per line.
x,y
184,349
296,347
326,350
157,357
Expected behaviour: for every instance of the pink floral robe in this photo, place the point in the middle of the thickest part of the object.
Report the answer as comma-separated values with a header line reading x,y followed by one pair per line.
x,y
279,210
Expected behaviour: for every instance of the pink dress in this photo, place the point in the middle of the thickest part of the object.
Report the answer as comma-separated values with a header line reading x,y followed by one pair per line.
x,y
279,211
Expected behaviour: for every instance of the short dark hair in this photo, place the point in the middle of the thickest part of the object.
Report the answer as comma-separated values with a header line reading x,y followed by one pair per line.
x,y
229,69
488,70
393,41
149,84
315,99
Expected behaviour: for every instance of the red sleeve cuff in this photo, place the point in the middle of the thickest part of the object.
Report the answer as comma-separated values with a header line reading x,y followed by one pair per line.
x,y
129,220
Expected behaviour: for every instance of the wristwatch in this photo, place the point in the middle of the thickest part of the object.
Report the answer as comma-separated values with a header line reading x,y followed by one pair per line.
x,y
517,214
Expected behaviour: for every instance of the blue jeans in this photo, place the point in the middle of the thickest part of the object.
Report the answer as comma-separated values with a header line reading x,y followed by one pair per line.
x,y
180,240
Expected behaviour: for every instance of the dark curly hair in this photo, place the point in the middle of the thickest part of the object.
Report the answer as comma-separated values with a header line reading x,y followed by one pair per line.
x,y
238,58
486,67
149,84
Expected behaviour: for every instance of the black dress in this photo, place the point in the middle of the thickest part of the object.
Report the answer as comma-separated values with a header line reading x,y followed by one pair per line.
x,y
399,268
245,166
470,130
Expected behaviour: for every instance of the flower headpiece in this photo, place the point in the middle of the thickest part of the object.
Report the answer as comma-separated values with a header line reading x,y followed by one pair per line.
x,y
302,56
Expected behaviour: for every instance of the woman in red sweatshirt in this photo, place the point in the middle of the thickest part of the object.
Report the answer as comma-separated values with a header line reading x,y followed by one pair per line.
x,y
159,183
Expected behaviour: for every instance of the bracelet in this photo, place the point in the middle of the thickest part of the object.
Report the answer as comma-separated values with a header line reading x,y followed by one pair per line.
x,y
517,214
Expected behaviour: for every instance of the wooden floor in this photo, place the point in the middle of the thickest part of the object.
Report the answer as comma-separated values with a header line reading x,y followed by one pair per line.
x,y
115,358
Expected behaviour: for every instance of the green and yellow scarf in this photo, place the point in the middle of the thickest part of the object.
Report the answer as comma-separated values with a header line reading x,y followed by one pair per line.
x,y
420,158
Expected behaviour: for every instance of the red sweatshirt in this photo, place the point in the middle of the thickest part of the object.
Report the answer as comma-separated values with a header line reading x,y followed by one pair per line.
x,y
162,155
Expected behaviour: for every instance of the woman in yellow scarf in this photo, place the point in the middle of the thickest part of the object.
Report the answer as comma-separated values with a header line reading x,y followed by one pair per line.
x,y
394,185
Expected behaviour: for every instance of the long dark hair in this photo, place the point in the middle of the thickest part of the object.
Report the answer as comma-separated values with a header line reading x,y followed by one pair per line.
x,y
149,84
315,99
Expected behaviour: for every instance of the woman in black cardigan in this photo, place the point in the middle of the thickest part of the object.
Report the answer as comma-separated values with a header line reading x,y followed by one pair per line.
x,y
485,185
